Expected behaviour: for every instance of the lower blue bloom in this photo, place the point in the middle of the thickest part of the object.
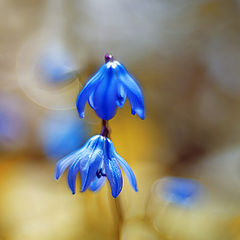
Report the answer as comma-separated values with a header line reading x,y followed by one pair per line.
x,y
96,161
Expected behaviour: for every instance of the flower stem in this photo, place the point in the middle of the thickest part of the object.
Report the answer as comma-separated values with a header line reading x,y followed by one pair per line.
x,y
115,203
119,217
105,129
116,213
119,212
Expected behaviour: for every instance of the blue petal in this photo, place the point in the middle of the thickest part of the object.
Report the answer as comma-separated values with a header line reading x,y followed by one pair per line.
x,y
65,162
121,96
105,95
113,171
133,90
126,168
97,183
87,90
91,162
91,100
89,173
72,174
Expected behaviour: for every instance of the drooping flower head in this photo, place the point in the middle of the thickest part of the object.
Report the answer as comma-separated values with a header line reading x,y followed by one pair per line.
x,y
108,89
96,161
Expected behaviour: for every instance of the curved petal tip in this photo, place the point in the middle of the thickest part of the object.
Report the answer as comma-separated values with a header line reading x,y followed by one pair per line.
x,y
124,165
81,115
140,112
57,176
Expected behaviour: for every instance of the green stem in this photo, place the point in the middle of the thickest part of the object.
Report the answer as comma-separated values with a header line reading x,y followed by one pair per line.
x,y
117,213
119,209
115,203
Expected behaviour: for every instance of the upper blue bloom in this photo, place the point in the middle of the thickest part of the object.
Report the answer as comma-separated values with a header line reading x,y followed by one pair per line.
x,y
108,89
96,161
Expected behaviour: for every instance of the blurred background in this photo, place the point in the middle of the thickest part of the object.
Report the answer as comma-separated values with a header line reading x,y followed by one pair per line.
x,y
186,154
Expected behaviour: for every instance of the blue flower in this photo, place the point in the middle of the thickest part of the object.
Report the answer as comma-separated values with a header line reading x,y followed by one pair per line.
x,y
108,89
57,64
180,191
96,161
61,133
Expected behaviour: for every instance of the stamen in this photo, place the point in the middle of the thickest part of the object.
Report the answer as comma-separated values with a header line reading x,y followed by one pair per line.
x,y
100,174
103,174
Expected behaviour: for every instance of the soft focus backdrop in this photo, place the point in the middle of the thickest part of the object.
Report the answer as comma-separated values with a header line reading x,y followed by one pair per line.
x,y
186,154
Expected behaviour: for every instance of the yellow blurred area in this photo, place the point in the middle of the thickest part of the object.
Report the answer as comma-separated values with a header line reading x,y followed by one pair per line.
x,y
185,54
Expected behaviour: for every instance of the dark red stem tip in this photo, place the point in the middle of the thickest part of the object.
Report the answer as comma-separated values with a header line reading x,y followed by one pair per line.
x,y
108,58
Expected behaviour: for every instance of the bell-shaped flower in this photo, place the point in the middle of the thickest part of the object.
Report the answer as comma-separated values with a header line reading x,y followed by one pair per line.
x,y
108,89
96,161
